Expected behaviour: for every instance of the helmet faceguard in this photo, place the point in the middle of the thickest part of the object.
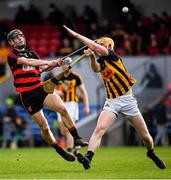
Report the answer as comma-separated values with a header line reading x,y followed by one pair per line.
x,y
107,42
12,34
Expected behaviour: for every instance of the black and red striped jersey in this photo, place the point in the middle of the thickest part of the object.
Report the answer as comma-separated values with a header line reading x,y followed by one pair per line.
x,y
26,78
116,78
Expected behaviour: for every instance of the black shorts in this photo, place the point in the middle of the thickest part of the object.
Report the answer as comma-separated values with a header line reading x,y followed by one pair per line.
x,y
32,101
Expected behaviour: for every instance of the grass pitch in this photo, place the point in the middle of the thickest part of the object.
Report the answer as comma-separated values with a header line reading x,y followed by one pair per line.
x,y
108,163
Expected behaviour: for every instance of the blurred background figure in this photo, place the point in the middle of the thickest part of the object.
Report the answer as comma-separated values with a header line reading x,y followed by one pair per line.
x,y
1,126
19,18
160,115
55,16
34,15
152,77
9,128
67,88
66,47
4,51
149,119
156,116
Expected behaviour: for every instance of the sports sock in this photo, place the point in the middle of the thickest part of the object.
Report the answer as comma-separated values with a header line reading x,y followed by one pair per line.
x,y
159,163
69,149
73,132
57,148
89,155
149,152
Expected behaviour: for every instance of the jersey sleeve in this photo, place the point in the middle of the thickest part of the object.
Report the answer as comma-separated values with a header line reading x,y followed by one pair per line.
x,y
113,56
12,59
79,80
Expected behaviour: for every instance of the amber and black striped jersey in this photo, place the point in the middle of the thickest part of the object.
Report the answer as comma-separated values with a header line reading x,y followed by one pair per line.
x,y
116,78
26,78
69,86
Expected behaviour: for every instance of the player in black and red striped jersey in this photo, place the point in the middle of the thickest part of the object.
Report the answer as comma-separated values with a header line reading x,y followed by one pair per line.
x,y
25,66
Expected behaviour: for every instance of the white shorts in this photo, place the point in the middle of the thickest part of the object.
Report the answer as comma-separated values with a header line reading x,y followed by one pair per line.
x,y
72,108
126,105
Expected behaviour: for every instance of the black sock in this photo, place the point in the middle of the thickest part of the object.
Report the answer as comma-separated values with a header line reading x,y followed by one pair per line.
x,y
57,148
89,155
73,132
69,149
150,152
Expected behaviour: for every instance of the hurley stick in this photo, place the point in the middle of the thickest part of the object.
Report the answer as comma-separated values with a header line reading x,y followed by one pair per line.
x,y
50,84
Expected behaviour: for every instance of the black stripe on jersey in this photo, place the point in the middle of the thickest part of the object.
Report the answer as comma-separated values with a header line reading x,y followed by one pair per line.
x,y
116,87
14,68
26,75
106,88
75,92
26,84
64,97
121,71
111,90
121,82
70,96
11,61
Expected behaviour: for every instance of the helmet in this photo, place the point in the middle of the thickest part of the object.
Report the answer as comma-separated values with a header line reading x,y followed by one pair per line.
x,y
12,34
106,41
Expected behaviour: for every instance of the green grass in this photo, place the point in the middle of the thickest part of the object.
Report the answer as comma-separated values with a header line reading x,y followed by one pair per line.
x,y
108,163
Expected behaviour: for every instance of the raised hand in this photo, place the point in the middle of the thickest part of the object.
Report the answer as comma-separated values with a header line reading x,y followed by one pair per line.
x,y
86,110
56,63
89,52
60,62
71,32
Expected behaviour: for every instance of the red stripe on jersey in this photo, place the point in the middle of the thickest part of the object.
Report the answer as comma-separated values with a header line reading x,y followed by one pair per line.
x,y
25,89
26,80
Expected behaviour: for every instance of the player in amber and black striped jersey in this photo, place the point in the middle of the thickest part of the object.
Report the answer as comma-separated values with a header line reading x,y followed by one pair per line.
x,y
115,76
25,66
68,87
118,83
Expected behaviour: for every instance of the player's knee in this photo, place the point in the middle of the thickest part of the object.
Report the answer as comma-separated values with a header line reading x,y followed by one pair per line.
x,y
64,132
45,129
100,130
63,111
146,138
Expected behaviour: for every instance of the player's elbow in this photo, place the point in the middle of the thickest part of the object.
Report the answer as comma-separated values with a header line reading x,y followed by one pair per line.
x,y
96,69
100,50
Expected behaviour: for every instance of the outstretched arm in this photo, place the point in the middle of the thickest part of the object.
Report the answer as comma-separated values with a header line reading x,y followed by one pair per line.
x,y
100,50
39,63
